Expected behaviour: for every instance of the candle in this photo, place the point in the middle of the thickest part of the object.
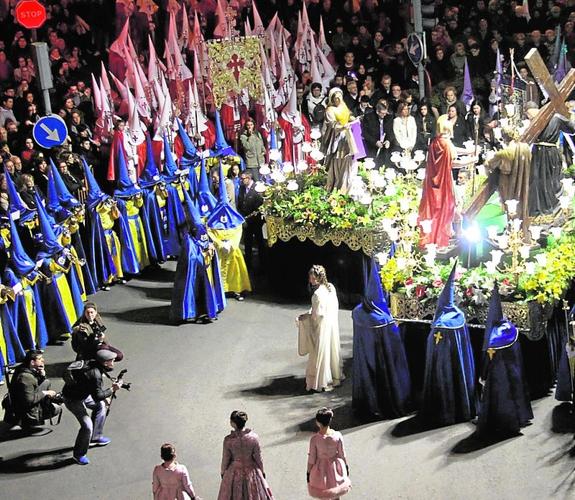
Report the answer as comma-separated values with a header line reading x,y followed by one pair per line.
x,y
401,263
393,233
260,187
496,256
368,163
412,219
492,232
265,170
490,267
535,232
541,259
503,241
292,185
301,165
381,258
365,199
530,267
426,226
556,232
512,207
516,224
564,202
524,251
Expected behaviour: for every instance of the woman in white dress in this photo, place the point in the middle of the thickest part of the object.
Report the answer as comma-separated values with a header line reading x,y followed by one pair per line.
x,y
319,334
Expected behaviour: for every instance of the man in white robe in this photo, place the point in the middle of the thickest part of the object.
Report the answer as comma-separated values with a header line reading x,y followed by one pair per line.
x,y
319,335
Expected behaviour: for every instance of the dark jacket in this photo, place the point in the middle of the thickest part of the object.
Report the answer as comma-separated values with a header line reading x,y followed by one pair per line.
x,y
249,202
89,382
27,394
370,128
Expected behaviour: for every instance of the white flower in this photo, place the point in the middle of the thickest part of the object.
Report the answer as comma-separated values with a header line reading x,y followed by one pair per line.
x,y
292,185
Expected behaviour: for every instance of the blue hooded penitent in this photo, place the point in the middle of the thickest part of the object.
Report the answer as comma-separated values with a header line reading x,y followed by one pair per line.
x,y
66,199
150,175
17,207
198,288
206,200
170,168
20,262
221,147
49,242
190,156
449,381
125,188
381,379
53,204
505,404
224,216
95,194
21,265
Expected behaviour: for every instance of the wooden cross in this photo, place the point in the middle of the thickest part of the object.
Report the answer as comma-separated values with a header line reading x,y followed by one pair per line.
x,y
556,104
438,337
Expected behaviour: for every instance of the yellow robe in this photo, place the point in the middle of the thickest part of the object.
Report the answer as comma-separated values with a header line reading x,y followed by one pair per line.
x,y
108,215
133,206
235,277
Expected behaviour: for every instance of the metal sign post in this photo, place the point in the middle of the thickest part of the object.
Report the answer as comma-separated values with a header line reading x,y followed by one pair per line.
x,y
43,72
418,25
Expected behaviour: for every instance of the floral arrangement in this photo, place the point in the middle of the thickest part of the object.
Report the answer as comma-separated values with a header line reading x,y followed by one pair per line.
x,y
473,286
302,199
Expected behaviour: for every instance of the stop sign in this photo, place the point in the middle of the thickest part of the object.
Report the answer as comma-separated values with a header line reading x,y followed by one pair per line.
x,y
31,14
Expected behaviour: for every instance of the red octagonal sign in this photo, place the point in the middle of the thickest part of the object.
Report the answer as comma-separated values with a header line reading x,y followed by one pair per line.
x,y
31,14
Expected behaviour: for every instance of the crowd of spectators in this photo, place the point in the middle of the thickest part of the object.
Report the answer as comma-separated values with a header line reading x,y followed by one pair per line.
x,y
367,38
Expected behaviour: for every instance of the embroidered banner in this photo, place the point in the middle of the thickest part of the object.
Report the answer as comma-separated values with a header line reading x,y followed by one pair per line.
x,y
235,66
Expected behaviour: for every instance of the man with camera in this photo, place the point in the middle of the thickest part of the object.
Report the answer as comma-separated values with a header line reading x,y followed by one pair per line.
x,y
32,399
83,391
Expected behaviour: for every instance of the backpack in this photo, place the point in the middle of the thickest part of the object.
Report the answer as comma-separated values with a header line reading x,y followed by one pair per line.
x,y
74,371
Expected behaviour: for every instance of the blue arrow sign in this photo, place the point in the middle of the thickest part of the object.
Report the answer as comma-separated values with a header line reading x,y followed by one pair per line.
x,y
414,48
50,131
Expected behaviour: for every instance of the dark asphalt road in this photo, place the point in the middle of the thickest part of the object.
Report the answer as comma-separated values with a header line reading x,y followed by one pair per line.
x,y
186,381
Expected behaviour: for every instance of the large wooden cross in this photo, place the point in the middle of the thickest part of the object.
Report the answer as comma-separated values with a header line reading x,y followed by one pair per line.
x,y
557,96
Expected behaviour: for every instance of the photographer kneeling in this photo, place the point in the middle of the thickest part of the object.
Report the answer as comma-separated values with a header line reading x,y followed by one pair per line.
x,y
83,391
88,335
32,398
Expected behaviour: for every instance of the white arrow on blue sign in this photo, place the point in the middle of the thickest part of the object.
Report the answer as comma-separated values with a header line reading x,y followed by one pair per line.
x,y
50,131
415,49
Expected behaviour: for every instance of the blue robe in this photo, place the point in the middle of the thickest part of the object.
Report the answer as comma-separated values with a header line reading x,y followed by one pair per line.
x,y
198,291
100,261
153,226
90,286
381,379
449,380
14,350
30,337
175,218
130,263
505,404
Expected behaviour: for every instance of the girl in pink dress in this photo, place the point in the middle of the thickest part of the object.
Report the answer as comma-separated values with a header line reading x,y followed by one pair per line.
x,y
171,479
327,469
243,476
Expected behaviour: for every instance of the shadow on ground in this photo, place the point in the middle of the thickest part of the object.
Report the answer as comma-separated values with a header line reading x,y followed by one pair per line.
x,y
156,293
156,315
477,442
37,461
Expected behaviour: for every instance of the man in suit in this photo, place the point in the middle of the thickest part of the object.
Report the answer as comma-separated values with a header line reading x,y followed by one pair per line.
x,y
377,132
249,201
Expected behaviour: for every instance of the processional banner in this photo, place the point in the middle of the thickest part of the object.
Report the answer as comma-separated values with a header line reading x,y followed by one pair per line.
x,y
235,65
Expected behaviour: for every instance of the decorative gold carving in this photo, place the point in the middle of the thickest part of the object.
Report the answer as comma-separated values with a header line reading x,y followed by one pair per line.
x,y
369,241
529,317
